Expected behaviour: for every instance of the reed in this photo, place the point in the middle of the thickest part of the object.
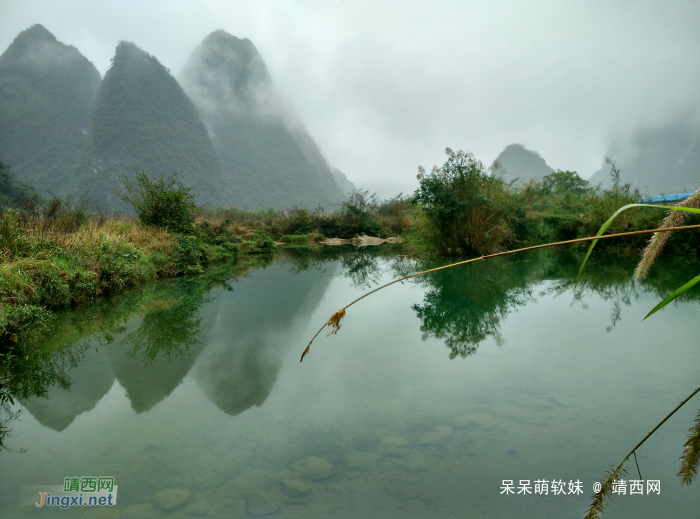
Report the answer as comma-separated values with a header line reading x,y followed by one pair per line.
x,y
658,240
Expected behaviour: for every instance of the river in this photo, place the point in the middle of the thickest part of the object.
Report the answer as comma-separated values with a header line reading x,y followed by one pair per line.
x,y
434,394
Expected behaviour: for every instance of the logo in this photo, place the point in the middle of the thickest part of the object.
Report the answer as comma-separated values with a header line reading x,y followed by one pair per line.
x,y
79,491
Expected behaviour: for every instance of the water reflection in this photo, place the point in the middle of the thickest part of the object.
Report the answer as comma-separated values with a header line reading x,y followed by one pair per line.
x,y
156,336
151,339
463,306
406,432
238,370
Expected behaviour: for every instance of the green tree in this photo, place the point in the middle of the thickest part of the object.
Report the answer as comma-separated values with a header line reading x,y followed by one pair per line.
x,y
163,202
465,206
565,183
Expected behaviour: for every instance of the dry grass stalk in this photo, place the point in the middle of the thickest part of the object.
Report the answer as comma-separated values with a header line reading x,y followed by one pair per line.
x,y
658,240
334,321
690,460
600,499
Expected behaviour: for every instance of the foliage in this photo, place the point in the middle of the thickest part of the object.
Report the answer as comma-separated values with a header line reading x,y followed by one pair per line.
x,y
607,225
359,207
62,255
690,460
358,216
22,322
565,183
464,206
163,202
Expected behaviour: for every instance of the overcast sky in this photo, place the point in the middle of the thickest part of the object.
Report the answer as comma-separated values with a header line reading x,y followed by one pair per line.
x,y
385,86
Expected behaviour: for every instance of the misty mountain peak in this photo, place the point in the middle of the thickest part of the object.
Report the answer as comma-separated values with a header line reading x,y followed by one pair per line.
x,y
517,162
143,119
47,90
225,72
36,33
266,154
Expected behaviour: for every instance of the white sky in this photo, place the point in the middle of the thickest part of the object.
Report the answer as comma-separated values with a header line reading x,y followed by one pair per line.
x,y
385,86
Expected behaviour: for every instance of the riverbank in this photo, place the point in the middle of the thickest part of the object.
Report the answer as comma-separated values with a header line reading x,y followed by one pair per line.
x,y
55,263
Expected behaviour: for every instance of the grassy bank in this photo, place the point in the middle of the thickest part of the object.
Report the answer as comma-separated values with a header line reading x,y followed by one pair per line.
x,y
62,256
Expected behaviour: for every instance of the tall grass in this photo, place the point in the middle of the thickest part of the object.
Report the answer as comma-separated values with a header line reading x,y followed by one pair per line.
x,y
60,254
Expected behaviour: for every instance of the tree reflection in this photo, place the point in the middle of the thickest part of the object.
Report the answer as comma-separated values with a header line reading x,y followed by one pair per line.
x,y
465,306
30,372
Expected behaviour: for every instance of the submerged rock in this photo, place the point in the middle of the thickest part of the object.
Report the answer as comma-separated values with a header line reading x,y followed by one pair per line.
x,y
313,468
172,498
393,446
295,487
258,504
227,509
437,435
361,460
198,508
102,513
148,511
477,420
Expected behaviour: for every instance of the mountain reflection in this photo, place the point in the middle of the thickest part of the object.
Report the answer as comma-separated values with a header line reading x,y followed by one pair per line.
x,y
248,334
229,328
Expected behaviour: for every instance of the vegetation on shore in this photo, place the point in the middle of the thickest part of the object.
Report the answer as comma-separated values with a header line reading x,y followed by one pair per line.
x,y
463,209
61,255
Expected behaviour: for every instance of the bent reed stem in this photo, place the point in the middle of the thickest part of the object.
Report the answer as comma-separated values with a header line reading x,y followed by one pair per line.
x,y
335,322
600,497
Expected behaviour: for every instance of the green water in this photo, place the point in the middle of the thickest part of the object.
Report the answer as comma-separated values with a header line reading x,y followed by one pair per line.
x,y
433,392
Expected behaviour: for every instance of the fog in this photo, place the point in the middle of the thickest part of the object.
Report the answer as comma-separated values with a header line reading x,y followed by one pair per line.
x,y
385,86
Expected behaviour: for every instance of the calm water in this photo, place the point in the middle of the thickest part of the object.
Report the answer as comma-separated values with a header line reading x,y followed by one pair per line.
x,y
432,393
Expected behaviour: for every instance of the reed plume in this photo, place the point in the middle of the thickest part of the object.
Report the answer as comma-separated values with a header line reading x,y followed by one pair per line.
x,y
659,239
600,499
690,460
689,466
334,321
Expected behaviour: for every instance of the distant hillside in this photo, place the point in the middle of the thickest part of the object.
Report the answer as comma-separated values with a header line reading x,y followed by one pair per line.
x,y
142,119
343,183
12,191
46,93
656,160
267,156
516,162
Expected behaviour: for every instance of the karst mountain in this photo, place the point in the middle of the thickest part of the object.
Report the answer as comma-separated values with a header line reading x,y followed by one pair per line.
x,y
516,162
224,129
47,90
266,154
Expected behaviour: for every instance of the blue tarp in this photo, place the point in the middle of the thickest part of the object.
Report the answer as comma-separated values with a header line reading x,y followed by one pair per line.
x,y
667,198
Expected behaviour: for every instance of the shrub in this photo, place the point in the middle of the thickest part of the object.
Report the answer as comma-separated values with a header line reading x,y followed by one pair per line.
x,y
163,202
21,322
261,243
295,239
188,255
464,206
